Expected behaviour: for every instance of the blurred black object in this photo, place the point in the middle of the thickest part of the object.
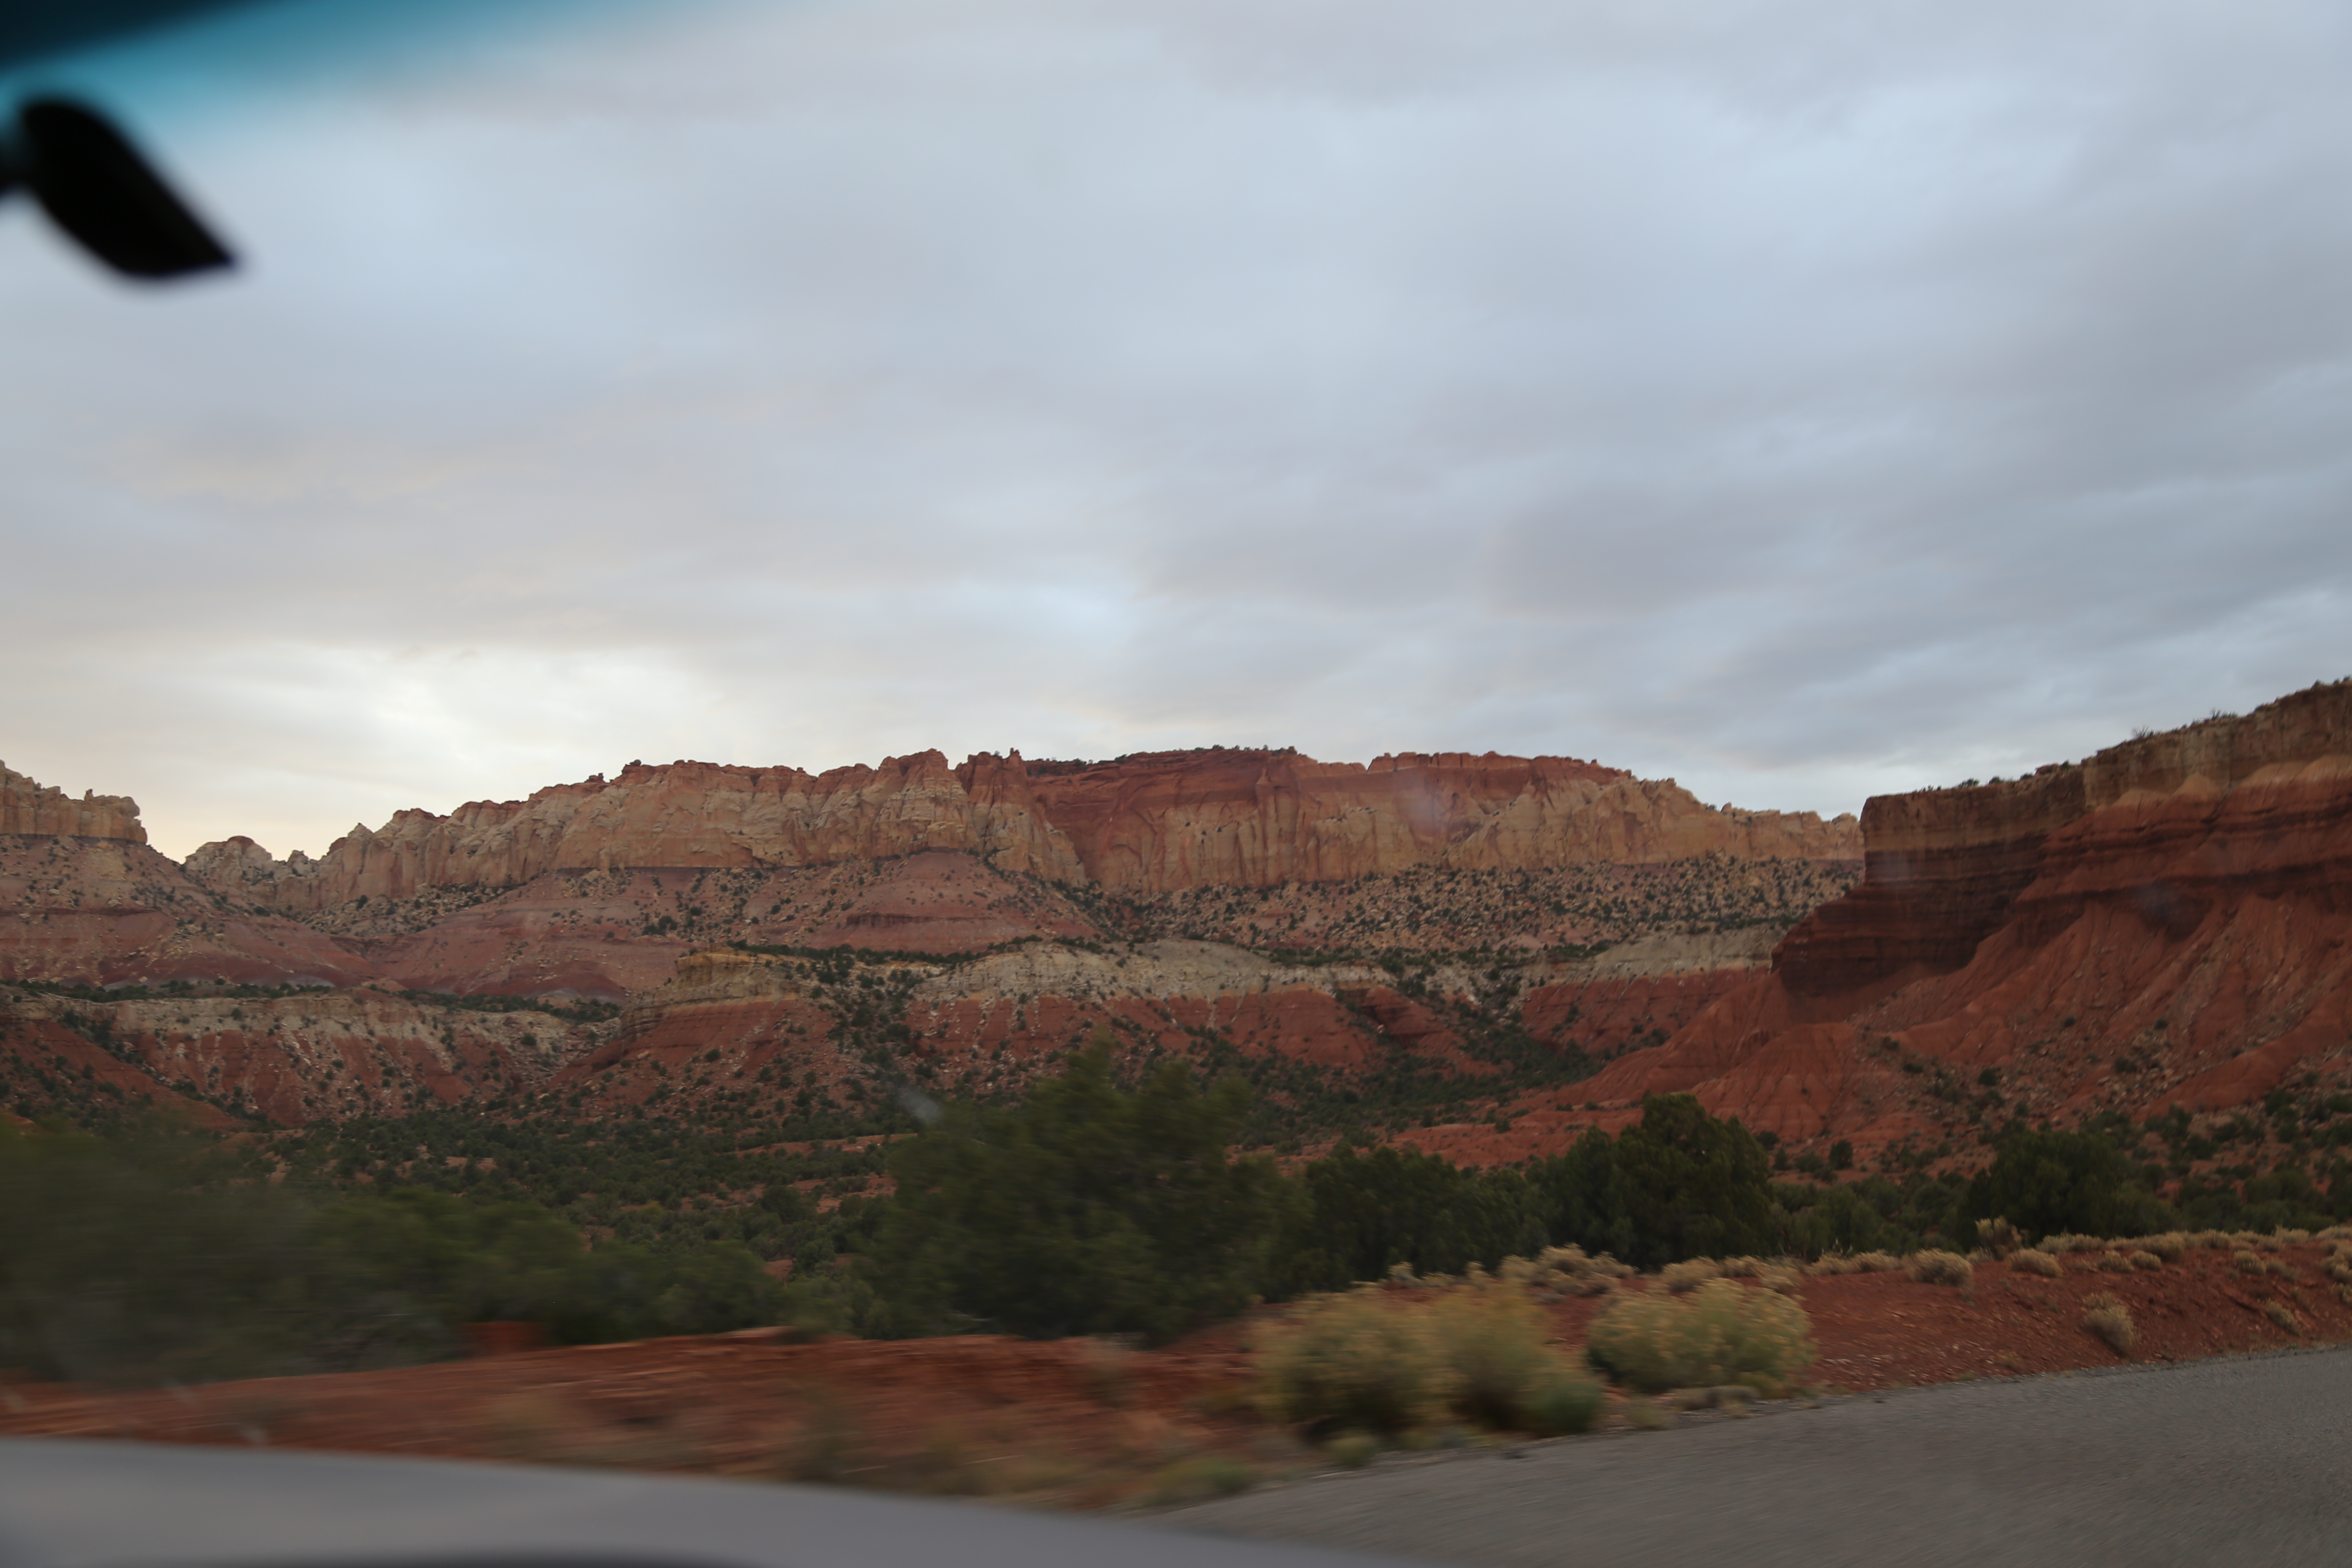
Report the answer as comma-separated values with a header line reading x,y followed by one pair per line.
x,y
30,29
94,185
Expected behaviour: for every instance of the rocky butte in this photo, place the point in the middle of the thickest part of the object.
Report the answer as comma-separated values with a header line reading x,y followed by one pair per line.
x,y
2168,923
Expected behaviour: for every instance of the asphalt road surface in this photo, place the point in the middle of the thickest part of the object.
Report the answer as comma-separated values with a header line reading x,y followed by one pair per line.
x,y
2247,1459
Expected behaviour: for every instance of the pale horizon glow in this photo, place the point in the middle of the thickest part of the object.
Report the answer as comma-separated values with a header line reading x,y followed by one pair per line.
x,y
1796,408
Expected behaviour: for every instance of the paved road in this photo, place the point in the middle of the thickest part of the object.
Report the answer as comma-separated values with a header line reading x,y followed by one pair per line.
x,y
2247,1460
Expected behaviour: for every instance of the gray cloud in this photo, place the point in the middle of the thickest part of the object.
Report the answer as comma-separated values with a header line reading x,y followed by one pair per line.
x,y
1797,404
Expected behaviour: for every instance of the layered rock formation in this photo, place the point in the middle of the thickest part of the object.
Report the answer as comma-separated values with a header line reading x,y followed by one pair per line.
x,y
286,1059
88,910
2167,923
29,807
1150,823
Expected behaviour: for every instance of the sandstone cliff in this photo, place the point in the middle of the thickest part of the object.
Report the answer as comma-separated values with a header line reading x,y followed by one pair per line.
x,y
96,910
1144,823
2164,924
29,807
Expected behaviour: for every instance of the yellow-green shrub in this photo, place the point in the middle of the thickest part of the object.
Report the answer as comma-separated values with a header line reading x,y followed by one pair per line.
x,y
1354,1361
1489,1341
1721,1332
2111,1320
1934,1267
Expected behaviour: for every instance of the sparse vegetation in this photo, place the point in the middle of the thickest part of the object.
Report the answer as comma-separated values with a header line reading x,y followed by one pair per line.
x,y
2031,1261
2111,1320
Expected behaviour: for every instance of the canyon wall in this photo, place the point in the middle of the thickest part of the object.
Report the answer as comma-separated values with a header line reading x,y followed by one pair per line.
x,y
2168,923
1144,823
1943,868
29,807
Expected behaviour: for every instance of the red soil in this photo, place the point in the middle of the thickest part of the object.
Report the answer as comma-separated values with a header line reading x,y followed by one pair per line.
x,y
1087,1423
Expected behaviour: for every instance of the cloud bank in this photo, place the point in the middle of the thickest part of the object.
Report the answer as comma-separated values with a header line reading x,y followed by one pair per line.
x,y
1799,405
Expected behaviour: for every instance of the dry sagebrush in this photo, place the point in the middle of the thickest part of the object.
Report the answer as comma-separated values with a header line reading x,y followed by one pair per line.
x,y
1721,1332
1353,1361
2112,1322
1499,1372
1360,1361
1565,1271
1934,1267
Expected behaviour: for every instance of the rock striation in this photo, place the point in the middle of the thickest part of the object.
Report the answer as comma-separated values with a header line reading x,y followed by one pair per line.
x,y
1145,824
2167,923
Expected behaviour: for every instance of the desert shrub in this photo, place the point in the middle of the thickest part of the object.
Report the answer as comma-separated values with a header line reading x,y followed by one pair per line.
x,y
2213,1240
2338,1267
2031,1261
1940,1268
1354,1450
2246,1262
1563,1272
1353,1361
1689,1274
1783,1279
2065,1242
2284,1316
1997,1236
2282,1267
1721,1332
2168,1246
2145,1259
1489,1343
1877,1263
2111,1320
1562,1405
1831,1263
2113,1263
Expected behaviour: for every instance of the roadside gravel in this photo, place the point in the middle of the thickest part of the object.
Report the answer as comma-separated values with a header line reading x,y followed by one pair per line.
x,y
2241,1460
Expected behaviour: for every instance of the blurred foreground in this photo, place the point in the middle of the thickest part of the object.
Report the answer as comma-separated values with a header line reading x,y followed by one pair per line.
x,y
1093,1423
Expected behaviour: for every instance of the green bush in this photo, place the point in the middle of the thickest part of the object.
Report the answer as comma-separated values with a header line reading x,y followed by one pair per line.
x,y
1695,1186
1084,1211
1566,1404
1354,1361
160,1256
2058,1181
1722,1332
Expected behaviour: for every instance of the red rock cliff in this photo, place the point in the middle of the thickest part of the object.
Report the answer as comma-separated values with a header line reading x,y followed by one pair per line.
x,y
2168,923
1944,868
1150,823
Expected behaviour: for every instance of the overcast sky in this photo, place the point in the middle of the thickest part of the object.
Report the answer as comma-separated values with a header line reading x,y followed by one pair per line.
x,y
1802,401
